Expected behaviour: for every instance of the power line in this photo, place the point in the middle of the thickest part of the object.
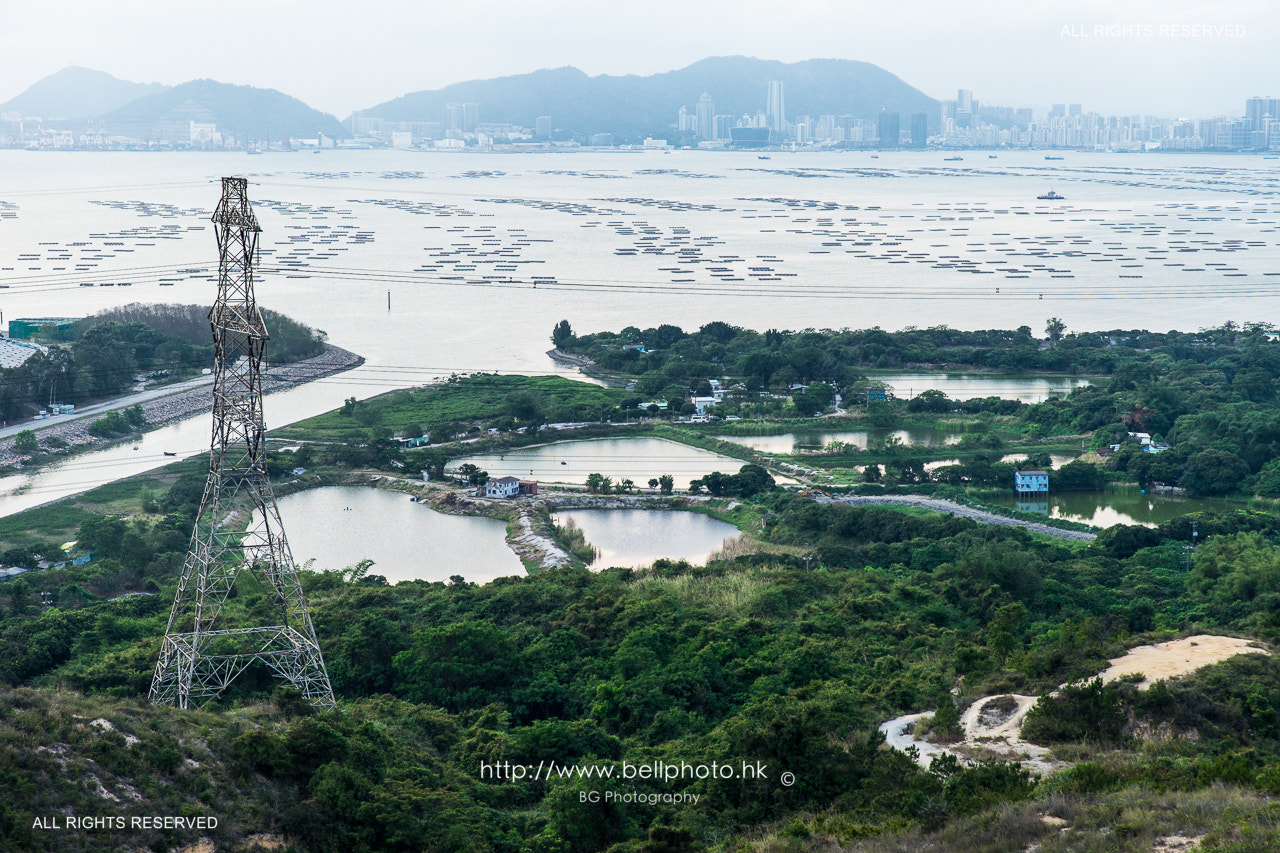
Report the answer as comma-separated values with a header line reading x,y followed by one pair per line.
x,y
993,290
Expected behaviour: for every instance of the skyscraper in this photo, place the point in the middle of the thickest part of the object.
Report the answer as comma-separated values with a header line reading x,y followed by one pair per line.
x,y
706,128
887,124
777,110
964,108
1257,111
919,130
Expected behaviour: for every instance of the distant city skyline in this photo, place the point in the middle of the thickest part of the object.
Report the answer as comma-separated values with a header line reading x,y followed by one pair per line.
x,y
1177,59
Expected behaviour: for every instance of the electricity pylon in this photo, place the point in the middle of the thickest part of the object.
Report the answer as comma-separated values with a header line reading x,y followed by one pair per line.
x,y
198,659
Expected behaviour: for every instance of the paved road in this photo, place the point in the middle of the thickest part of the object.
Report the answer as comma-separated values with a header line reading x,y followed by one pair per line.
x,y
98,409
952,508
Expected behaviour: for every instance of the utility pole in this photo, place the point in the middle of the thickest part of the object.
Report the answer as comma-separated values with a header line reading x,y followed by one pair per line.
x,y
200,656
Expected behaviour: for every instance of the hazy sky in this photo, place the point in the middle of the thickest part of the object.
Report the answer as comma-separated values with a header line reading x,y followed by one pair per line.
x,y
1166,57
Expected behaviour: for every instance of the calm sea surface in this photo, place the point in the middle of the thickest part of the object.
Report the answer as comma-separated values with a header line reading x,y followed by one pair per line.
x,y
481,254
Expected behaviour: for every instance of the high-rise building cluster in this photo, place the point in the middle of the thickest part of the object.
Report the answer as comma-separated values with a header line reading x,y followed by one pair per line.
x,y
771,126
966,124
962,122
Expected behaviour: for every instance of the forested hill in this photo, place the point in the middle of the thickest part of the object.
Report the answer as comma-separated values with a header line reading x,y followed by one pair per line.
x,y
100,356
763,660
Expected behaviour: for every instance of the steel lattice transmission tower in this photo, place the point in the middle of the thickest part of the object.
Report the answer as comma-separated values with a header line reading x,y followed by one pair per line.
x,y
198,659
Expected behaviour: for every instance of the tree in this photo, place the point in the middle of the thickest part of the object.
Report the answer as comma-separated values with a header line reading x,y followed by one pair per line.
x,y
1002,630
666,484
561,334
1214,472
1079,477
468,665
946,720
1054,329
26,443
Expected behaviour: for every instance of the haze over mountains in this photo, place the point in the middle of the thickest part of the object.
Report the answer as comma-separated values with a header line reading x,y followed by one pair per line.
x,y
76,93
627,106
635,106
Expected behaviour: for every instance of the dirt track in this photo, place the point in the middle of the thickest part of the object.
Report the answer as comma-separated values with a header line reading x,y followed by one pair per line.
x,y
960,511
994,723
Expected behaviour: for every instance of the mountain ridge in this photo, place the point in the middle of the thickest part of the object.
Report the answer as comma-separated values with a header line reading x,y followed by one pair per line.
x,y
628,106
634,105
76,93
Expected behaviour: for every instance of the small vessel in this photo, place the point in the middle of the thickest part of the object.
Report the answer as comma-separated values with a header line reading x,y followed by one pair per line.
x,y
763,157
170,453
1050,157
1051,196
949,159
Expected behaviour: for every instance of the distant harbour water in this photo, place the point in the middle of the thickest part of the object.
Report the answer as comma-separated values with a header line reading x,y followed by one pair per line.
x,y
479,255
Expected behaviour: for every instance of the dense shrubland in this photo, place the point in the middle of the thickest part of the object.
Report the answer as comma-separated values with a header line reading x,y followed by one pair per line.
x,y
755,660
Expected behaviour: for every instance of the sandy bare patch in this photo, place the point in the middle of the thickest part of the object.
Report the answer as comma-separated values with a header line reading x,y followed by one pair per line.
x,y
992,728
1177,657
204,845
1176,844
993,724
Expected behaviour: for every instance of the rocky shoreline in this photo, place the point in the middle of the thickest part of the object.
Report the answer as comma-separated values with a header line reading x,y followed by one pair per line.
x,y
184,404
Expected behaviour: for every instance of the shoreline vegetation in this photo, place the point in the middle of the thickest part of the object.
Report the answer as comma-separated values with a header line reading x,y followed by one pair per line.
x,y
74,436
831,614
135,350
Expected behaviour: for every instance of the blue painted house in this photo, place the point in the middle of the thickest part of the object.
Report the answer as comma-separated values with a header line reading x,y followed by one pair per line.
x,y
1030,482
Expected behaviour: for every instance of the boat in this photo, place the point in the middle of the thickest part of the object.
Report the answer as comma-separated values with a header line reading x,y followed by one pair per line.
x,y
950,159
1051,196
170,453
763,157
1050,157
